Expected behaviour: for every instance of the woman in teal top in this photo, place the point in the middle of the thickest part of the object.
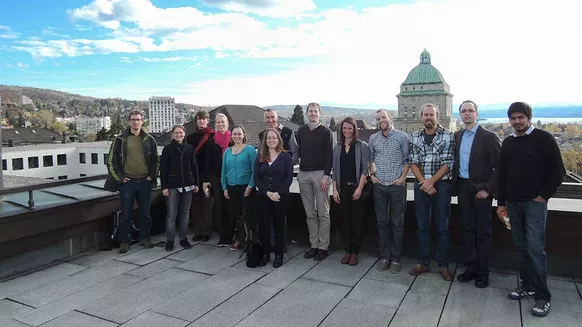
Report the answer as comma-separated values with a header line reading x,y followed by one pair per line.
x,y
238,183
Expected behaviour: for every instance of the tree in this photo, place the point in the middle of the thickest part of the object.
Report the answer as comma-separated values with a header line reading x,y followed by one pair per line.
x,y
553,128
101,135
21,121
332,124
297,117
572,131
72,127
572,160
60,127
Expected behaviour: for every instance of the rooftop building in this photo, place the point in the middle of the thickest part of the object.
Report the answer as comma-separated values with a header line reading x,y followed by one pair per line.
x,y
162,115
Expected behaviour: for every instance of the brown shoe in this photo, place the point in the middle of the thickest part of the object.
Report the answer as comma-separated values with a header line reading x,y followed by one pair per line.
x,y
353,260
446,274
419,270
346,258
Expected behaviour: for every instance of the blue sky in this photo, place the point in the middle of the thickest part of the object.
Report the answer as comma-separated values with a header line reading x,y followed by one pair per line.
x,y
346,53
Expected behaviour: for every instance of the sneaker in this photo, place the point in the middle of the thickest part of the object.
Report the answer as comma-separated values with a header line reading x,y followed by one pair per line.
x,y
124,247
196,238
520,293
185,244
147,243
321,254
235,246
310,254
395,267
169,246
541,308
223,243
383,264
419,270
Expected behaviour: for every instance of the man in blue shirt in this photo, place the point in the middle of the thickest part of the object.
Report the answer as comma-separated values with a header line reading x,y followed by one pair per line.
x,y
475,184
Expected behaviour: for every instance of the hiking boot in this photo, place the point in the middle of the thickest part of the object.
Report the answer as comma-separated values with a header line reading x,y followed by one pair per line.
x,y
310,254
169,246
395,267
520,293
346,259
419,270
278,262
196,238
185,244
235,246
482,281
147,243
124,247
383,264
541,308
353,260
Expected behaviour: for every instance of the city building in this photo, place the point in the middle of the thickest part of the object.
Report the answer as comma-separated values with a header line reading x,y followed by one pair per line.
x,y
19,136
162,114
92,125
424,84
26,100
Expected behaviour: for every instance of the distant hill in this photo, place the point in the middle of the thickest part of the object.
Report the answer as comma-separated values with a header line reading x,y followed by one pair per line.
x,y
572,111
287,110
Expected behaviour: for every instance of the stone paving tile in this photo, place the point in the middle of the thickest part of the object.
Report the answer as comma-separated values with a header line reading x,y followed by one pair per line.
x,y
198,299
402,278
152,319
378,292
212,262
351,313
479,307
12,323
304,303
293,250
36,279
96,258
288,272
146,256
10,309
237,307
430,282
60,307
41,296
559,284
566,310
191,253
131,302
154,268
77,319
331,270
506,282
419,309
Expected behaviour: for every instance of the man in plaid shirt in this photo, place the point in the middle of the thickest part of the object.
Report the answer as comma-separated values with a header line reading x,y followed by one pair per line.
x,y
432,152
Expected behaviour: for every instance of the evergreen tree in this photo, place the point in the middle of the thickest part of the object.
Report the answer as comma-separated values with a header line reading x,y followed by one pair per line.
x,y
332,124
297,117
101,135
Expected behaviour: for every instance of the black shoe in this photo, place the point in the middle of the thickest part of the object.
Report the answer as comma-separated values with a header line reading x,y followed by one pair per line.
x,y
467,276
264,260
321,254
541,308
169,246
310,254
196,238
185,244
278,261
205,238
482,281
124,247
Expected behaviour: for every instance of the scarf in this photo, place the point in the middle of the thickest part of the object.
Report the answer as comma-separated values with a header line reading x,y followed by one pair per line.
x,y
207,132
222,139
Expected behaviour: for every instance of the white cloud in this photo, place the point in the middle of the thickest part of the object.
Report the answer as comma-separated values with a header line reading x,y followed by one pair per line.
x,y
160,59
268,8
22,65
7,33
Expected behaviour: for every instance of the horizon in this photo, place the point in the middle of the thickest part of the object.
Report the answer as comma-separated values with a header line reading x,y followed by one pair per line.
x,y
333,52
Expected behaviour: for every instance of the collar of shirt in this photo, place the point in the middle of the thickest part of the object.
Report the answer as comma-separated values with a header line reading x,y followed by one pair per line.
x,y
440,130
280,127
472,130
389,132
313,126
528,132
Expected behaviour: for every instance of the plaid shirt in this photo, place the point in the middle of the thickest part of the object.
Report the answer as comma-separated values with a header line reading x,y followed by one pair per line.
x,y
431,157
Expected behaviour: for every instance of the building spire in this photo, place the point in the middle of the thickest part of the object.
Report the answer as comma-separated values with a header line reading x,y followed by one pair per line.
x,y
425,57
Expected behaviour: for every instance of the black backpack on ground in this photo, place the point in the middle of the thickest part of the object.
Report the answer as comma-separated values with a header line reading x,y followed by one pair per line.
x,y
247,234
133,230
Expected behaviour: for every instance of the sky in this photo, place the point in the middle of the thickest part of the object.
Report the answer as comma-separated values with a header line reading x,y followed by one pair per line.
x,y
268,52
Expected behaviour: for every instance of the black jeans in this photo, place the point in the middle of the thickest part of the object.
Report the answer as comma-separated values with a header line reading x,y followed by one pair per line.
x,y
236,206
272,213
351,211
390,204
201,213
476,217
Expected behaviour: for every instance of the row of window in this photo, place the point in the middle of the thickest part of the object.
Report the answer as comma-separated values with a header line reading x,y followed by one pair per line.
x,y
33,162
94,158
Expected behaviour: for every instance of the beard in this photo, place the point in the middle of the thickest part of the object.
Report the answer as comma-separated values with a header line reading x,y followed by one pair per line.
x,y
429,124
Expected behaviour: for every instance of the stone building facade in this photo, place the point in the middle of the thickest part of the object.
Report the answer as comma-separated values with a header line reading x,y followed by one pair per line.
x,y
424,84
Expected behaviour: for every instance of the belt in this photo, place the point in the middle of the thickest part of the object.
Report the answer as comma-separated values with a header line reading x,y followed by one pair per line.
x,y
464,179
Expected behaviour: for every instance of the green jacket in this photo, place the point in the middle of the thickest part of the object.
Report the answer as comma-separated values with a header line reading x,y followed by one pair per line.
x,y
116,160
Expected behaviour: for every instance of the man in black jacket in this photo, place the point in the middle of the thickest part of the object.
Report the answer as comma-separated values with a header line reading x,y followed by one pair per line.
x,y
475,183
530,171
133,169
287,134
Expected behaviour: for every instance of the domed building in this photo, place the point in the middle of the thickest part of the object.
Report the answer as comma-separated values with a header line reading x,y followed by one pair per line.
x,y
424,84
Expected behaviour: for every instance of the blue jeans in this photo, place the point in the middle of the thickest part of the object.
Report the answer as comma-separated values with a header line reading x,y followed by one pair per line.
x,y
438,205
390,204
528,228
178,208
139,190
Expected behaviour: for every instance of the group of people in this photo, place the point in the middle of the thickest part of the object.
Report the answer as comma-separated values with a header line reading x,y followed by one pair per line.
x,y
215,171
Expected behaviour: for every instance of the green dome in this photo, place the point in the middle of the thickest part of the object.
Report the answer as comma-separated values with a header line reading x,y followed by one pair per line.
x,y
424,73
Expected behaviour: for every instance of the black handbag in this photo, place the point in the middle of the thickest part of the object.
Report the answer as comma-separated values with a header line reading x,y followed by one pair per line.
x,y
367,190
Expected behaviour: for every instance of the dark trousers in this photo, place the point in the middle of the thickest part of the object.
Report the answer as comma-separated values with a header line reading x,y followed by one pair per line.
x,y
437,206
178,208
528,228
139,190
351,211
236,206
201,213
389,202
272,213
476,217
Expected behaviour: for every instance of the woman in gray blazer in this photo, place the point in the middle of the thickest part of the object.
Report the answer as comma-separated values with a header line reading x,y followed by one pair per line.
x,y
351,158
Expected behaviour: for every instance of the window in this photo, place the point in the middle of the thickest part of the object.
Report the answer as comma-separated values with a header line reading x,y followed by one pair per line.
x,y
17,164
63,177
105,158
94,158
47,161
32,162
4,164
61,159
83,175
82,158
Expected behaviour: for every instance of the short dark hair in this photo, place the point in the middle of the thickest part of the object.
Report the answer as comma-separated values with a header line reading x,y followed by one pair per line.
x,y
201,114
231,142
341,137
471,102
519,107
135,112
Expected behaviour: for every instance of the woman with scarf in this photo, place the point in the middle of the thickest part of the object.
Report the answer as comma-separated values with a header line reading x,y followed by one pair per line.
x,y
179,177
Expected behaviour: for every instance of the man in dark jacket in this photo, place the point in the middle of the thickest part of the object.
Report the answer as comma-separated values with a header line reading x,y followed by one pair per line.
x,y
133,169
287,134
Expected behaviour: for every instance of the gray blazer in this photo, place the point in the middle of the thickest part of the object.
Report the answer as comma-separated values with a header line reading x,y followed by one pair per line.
x,y
362,160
